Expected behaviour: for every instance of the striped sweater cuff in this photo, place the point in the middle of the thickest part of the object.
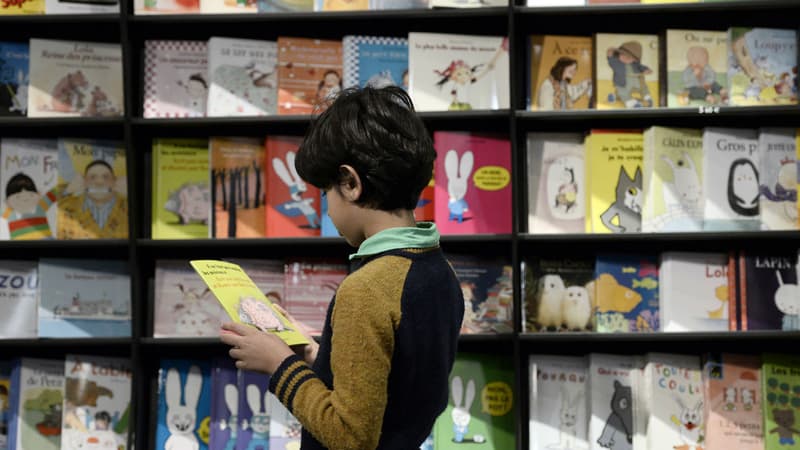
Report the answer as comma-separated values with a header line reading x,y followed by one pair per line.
x,y
286,381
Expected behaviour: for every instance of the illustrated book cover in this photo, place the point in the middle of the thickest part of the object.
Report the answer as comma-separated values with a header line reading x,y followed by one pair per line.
x,y
780,394
36,398
375,61
14,76
558,294
19,298
762,66
558,407
560,72
310,285
626,289
309,74
626,70
225,409
293,206
184,404
243,77
175,79
183,305
777,170
488,293
693,288
697,62
237,187
768,291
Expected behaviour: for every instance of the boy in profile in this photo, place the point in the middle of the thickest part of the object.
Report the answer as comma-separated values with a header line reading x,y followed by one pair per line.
x,y
379,377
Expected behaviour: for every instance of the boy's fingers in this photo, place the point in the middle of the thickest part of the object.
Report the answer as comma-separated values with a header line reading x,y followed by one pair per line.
x,y
230,339
237,328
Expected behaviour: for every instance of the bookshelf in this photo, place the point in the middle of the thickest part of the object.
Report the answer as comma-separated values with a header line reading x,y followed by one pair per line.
x,y
516,21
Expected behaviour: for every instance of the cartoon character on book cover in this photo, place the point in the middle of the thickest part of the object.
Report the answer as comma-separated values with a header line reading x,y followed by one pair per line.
x,y
487,289
617,433
696,68
244,77
563,73
778,178
175,78
293,206
675,383
184,405
627,71
558,296
762,68
557,185
29,174
284,428
224,404
36,404
558,403
375,61
733,394
626,289
254,413
237,187
13,79
781,401
770,293
309,74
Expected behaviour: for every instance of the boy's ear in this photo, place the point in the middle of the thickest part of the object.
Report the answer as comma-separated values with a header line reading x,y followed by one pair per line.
x,y
350,183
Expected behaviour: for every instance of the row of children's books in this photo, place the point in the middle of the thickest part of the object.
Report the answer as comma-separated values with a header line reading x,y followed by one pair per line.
x,y
538,3
76,403
663,180
664,401
672,292
246,77
249,188
740,67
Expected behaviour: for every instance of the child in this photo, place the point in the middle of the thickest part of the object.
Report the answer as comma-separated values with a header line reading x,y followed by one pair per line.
x,y
26,209
629,73
700,79
378,379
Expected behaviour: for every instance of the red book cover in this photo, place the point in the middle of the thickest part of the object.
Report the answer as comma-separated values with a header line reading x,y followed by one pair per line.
x,y
310,285
425,211
293,206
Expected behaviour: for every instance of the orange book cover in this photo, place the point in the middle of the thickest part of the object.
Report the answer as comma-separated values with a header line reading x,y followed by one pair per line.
x,y
293,206
425,211
309,73
237,187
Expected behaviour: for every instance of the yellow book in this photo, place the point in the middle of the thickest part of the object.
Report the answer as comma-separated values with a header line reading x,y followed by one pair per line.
x,y
20,7
243,300
345,5
561,72
626,70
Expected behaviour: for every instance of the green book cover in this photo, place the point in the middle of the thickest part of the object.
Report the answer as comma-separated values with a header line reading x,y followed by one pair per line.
x,y
480,410
781,400
181,203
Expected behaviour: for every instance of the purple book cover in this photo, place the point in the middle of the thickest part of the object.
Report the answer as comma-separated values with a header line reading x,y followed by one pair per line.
x,y
254,411
224,404
769,292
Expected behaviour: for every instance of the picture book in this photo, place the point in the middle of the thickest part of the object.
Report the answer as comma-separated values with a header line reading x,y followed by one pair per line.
x,y
560,72
75,79
84,298
175,79
310,285
626,70
225,411
14,61
488,293
184,404
181,195
480,408
254,411
183,305
228,6
693,288
268,275
92,190
237,187
611,399
780,390
558,294
24,7
342,5
626,291
5,413
81,7
473,183
143,7
28,177
675,391
777,171
697,62
293,206
730,179
375,61
458,72
284,5
762,66
244,77
558,407
426,206
768,292
732,390
284,428
309,74
614,181
36,398
243,300
19,298
672,176
97,402
556,183
326,226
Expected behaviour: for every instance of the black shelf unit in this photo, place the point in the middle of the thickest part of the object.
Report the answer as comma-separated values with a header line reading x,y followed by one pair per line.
x,y
516,21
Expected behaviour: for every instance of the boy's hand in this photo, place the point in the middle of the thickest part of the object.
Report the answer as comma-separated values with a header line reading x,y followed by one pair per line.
x,y
309,351
253,349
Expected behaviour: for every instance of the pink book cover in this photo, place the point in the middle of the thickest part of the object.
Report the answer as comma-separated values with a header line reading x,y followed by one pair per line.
x,y
473,183
310,285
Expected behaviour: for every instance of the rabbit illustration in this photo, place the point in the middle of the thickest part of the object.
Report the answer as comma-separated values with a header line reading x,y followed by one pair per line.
x,y
551,295
460,414
259,422
576,308
181,418
457,178
297,187
689,423
19,101
787,299
232,401
568,416
685,189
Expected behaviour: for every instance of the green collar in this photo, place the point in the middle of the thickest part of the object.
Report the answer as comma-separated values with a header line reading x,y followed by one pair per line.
x,y
424,235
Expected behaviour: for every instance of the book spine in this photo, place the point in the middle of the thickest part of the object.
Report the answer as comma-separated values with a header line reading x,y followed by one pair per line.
x,y
742,290
13,407
733,295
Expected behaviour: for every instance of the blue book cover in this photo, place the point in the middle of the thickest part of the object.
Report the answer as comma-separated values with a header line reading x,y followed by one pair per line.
x,y
184,404
488,293
224,404
84,298
13,78
626,292
327,228
285,5
254,411
375,61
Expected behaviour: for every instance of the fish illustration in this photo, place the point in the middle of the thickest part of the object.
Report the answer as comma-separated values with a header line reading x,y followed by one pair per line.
x,y
614,297
629,270
645,283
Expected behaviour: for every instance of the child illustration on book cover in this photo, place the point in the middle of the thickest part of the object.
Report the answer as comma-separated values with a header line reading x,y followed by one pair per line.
x,y
557,91
763,66
700,79
629,73
26,209
460,75
196,89
329,86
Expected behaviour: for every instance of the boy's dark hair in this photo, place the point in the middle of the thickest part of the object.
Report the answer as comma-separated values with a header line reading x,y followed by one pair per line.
x,y
18,183
98,162
557,71
378,133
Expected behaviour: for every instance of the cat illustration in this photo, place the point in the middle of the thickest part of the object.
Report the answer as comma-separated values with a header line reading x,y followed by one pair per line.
x,y
618,431
627,206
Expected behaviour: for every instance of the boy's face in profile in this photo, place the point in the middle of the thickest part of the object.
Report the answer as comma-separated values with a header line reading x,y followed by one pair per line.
x,y
23,201
338,210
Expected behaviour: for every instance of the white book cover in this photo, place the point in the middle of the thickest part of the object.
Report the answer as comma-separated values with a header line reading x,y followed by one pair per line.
x,y
36,395
538,3
75,79
244,77
375,61
81,7
675,385
467,3
19,297
228,6
184,306
458,72
611,400
175,79
97,400
730,179
556,183
28,177
694,291
558,416
284,428
777,172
